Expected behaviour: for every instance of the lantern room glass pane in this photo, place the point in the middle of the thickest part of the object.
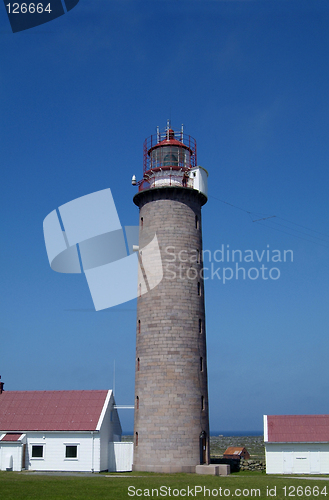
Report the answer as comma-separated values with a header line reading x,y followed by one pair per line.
x,y
170,160
170,156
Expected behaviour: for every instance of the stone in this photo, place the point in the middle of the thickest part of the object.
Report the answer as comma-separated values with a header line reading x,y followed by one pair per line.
x,y
171,388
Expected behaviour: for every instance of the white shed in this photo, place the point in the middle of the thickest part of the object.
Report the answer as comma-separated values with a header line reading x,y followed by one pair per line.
x,y
199,176
57,430
296,444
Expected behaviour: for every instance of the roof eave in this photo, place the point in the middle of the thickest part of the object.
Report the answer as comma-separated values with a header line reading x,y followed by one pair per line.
x,y
105,406
296,442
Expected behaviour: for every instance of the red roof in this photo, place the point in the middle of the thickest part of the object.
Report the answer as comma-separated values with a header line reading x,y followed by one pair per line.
x,y
234,450
51,410
298,428
169,142
11,437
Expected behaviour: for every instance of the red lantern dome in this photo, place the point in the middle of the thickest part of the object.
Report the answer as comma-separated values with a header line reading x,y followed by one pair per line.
x,y
168,157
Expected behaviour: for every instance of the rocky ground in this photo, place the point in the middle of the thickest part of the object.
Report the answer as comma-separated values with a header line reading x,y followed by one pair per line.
x,y
253,444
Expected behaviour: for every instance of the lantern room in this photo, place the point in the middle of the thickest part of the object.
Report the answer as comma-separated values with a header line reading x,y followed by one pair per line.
x,y
171,152
169,159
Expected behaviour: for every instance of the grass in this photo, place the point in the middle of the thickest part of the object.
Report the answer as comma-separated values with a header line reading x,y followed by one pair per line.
x,y
105,486
30,486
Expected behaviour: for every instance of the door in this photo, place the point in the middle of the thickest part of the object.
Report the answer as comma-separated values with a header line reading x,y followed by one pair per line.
x,y
301,462
315,461
23,455
203,447
287,461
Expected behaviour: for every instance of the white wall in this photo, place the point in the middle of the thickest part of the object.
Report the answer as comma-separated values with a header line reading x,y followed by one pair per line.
x,y
297,458
13,450
54,451
200,179
120,457
110,430
92,446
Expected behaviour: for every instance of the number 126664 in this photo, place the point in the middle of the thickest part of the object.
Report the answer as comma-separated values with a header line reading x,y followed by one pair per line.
x,y
27,8
307,491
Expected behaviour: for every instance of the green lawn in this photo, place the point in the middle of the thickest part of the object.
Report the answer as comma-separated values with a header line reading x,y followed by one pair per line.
x,y
30,486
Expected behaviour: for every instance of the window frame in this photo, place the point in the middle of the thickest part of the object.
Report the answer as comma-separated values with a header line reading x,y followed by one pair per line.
x,y
71,445
38,445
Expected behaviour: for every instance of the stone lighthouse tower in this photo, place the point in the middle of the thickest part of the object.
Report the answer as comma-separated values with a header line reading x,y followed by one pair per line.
x,y
171,429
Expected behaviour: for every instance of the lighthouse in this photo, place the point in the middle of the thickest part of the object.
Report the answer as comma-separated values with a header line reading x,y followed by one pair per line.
x,y
171,422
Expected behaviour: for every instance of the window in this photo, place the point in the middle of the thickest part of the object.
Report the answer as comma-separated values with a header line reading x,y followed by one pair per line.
x,y
202,403
200,325
37,451
196,222
142,222
136,438
71,451
199,288
139,326
138,364
201,364
137,402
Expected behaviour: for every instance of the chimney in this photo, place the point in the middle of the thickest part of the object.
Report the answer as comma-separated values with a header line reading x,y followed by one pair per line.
x,y
1,386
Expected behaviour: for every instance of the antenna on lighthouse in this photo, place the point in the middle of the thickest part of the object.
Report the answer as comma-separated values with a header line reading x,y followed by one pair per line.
x,y
168,129
114,378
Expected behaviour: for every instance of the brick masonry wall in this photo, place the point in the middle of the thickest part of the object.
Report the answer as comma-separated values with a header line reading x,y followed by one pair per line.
x,y
171,379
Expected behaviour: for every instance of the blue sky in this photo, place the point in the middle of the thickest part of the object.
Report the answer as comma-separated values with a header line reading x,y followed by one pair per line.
x,y
249,80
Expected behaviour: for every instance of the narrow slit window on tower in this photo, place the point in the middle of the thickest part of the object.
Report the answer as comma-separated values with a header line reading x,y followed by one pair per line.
x,y
196,222
202,403
136,438
201,364
138,364
139,326
198,256
199,288
200,325
142,221
137,402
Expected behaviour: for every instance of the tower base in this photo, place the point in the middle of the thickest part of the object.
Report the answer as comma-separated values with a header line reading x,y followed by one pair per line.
x,y
165,469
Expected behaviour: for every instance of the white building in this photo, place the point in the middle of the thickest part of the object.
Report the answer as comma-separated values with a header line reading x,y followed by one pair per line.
x,y
60,431
296,444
